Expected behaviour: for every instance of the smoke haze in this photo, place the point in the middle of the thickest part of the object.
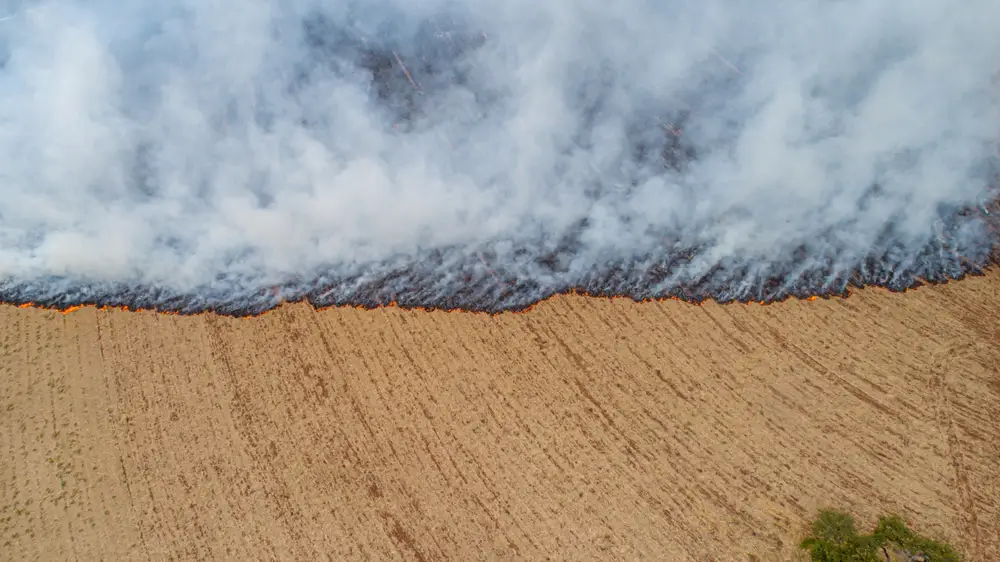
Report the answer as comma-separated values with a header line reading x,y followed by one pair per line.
x,y
486,154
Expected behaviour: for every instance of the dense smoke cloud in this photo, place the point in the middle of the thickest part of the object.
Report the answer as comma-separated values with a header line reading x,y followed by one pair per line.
x,y
473,152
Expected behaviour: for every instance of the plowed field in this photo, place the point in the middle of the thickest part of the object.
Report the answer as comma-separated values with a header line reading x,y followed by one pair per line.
x,y
582,429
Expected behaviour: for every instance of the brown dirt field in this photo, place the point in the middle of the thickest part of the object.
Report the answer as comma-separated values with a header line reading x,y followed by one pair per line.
x,y
584,429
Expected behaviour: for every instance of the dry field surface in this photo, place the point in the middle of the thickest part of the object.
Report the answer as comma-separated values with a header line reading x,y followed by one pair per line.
x,y
583,429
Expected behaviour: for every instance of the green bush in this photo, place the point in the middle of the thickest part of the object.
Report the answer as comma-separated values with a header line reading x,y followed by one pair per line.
x,y
835,538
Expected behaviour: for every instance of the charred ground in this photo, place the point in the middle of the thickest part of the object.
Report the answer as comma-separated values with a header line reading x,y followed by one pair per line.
x,y
462,279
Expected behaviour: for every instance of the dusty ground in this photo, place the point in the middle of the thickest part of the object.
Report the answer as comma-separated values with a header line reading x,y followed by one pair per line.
x,y
583,429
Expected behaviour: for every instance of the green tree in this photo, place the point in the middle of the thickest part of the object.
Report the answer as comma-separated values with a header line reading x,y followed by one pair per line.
x,y
834,538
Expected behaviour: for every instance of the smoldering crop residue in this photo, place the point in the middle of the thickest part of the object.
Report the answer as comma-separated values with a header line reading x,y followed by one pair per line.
x,y
469,154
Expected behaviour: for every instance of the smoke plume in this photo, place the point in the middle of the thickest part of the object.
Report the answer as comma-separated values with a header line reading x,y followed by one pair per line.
x,y
197,154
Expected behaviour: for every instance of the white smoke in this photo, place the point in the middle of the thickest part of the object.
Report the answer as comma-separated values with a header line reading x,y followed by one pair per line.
x,y
177,142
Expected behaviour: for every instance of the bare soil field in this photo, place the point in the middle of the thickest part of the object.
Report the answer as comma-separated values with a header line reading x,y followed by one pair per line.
x,y
582,429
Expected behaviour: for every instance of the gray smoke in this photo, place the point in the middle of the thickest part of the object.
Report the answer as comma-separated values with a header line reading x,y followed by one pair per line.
x,y
215,148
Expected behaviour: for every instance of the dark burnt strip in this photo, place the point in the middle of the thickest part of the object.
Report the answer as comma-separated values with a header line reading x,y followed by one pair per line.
x,y
457,279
